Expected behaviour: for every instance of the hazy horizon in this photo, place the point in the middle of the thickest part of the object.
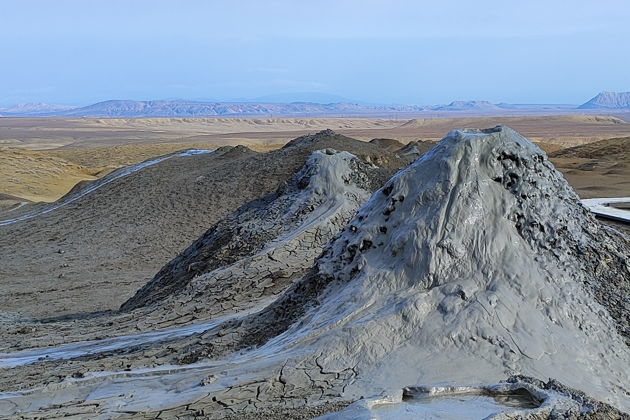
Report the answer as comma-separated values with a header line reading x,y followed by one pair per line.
x,y
77,53
291,97
288,101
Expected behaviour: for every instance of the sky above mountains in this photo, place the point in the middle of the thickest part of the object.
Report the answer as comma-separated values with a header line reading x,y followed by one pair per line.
x,y
417,52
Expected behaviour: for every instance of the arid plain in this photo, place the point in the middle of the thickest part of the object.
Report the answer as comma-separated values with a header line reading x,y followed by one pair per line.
x,y
41,159
271,194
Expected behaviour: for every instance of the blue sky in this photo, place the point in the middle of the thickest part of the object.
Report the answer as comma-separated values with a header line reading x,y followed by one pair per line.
x,y
416,52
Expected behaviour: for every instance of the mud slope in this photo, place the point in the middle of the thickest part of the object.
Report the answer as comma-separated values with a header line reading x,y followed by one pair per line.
x,y
85,255
269,241
85,187
94,253
9,203
474,263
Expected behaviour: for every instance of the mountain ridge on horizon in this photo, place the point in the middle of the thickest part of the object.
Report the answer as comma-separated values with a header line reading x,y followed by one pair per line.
x,y
129,108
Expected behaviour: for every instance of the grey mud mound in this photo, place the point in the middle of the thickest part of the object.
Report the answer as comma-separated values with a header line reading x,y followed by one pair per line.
x,y
270,241
246,257
475,262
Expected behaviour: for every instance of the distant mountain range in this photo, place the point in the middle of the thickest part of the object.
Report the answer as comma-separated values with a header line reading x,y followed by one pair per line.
x,y
34,108
181,108
270,108
467,106
313,97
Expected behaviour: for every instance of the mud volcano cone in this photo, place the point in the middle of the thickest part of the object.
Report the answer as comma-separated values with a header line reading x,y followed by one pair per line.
x,y
474,263
265,244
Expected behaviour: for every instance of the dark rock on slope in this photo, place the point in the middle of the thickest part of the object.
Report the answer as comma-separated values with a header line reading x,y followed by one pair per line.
x,y
391,145
415,149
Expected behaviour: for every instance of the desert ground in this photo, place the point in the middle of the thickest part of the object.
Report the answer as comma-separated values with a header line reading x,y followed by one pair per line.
x,y
286,212
68,133
42,158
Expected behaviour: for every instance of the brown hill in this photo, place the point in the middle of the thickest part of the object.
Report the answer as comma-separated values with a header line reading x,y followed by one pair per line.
x,y
390,145
613,149
38,176
599,169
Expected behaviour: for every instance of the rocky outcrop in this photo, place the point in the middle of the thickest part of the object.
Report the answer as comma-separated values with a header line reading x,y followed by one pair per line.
x,y
415,149
391,145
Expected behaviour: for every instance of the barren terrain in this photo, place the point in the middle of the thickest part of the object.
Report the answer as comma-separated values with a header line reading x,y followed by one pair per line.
x,y
268,203
598,169
320,279
49,133
74,149
116,239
